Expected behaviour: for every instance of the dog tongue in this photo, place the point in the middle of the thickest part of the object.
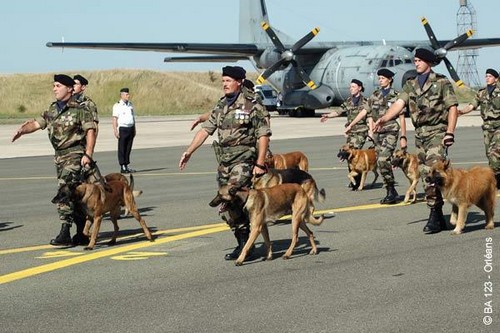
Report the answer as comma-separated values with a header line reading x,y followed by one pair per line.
x,y
222,207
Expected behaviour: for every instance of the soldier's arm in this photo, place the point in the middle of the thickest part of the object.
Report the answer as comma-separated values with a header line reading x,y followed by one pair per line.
x,y
200,119
27,127
403,140
198,140
452,119
263,146
358,118
466,110
393,111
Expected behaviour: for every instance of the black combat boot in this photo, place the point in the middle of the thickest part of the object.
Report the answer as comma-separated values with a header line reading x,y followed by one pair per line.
x,y
237,250
497,176
241,235
64,237
80,218
391,197
436,221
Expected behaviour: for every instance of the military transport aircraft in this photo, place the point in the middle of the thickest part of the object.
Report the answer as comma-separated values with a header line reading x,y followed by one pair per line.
x,y
309,75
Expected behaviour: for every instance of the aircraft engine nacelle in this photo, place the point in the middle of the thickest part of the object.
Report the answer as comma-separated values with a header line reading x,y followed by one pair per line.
x,y
269,57
318,98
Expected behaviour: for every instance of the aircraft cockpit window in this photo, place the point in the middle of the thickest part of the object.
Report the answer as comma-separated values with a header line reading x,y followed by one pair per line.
x,y
384,63
398,62
408,61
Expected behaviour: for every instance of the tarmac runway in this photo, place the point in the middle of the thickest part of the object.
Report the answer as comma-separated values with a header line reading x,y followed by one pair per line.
x,y
375,272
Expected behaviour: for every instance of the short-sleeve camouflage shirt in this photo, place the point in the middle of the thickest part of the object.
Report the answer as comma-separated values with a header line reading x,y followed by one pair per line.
x,y
352,112
429,105
67,128
489,103
378,104
240,124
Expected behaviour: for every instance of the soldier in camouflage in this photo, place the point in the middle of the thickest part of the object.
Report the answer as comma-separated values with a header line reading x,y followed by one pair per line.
x,y
488,99
243,139
433,109
71,131
353,107
386,138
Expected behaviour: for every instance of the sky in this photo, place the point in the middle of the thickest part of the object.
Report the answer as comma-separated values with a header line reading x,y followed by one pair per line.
x,y
27,25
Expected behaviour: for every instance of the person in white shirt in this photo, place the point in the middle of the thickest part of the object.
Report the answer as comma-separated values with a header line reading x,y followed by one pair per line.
x,y
124,129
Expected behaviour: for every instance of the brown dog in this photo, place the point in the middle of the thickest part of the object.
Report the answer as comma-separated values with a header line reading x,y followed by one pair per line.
x,y
292,160
409,164
360,162
116,176
275,177
98,201
269,204
463,188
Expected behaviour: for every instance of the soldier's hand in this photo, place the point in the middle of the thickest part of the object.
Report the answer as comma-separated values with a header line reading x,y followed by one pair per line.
x,y
378,124
184,159
449,139
196,122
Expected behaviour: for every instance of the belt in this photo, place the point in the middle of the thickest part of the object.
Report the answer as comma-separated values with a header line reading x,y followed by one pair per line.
x,y
60,152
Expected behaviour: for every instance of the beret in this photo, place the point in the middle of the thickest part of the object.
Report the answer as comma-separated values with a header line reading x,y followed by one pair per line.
x,y
492,72
236,72
64,79
385,72
359,83
124,90
426,55
80,78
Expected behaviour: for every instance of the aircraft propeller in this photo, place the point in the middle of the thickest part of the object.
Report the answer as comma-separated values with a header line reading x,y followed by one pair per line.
x,y
440,52
287,55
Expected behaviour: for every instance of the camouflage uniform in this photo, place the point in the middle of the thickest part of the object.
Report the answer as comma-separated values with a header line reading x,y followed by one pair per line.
x,y
67,130
357,136
239,127
429,108
490,112
92,174
386,138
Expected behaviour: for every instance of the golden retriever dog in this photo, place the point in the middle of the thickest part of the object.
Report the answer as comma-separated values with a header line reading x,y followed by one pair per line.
x,y
116,176
269,204
463,188
360,161
275,177
97,201
409,164
292,160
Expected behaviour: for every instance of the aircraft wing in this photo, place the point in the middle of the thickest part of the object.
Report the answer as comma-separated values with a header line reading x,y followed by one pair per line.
x,y
242,50
215,58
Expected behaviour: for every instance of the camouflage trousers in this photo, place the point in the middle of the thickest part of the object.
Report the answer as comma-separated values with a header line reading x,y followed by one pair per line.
x,y
430,150
357,140
386,143
492,148
239,174
70,171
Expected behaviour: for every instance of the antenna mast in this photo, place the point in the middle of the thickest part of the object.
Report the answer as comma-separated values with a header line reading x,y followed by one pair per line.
x,y
466,64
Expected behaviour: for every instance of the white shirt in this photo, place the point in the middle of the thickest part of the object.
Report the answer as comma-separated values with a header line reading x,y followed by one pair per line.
x,y
124,112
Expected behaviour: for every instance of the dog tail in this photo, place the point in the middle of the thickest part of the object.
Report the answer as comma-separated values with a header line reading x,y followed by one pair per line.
x,y
315,220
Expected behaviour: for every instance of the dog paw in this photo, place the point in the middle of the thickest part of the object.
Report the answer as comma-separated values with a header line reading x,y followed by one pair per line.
x,y
238,263
313,252
456,232
453,222
489,226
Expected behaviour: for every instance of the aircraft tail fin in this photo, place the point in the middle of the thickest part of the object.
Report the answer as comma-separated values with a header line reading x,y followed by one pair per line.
x,y
252,14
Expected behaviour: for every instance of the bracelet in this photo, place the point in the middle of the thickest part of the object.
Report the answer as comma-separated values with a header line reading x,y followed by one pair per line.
x,y
260,166
449,134
404,137
88,156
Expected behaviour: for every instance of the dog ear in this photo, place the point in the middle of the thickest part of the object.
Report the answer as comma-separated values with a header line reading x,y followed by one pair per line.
x,y
233,190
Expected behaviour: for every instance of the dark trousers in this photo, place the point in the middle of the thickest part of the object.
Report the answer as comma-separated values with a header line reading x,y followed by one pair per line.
x,y
125,141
